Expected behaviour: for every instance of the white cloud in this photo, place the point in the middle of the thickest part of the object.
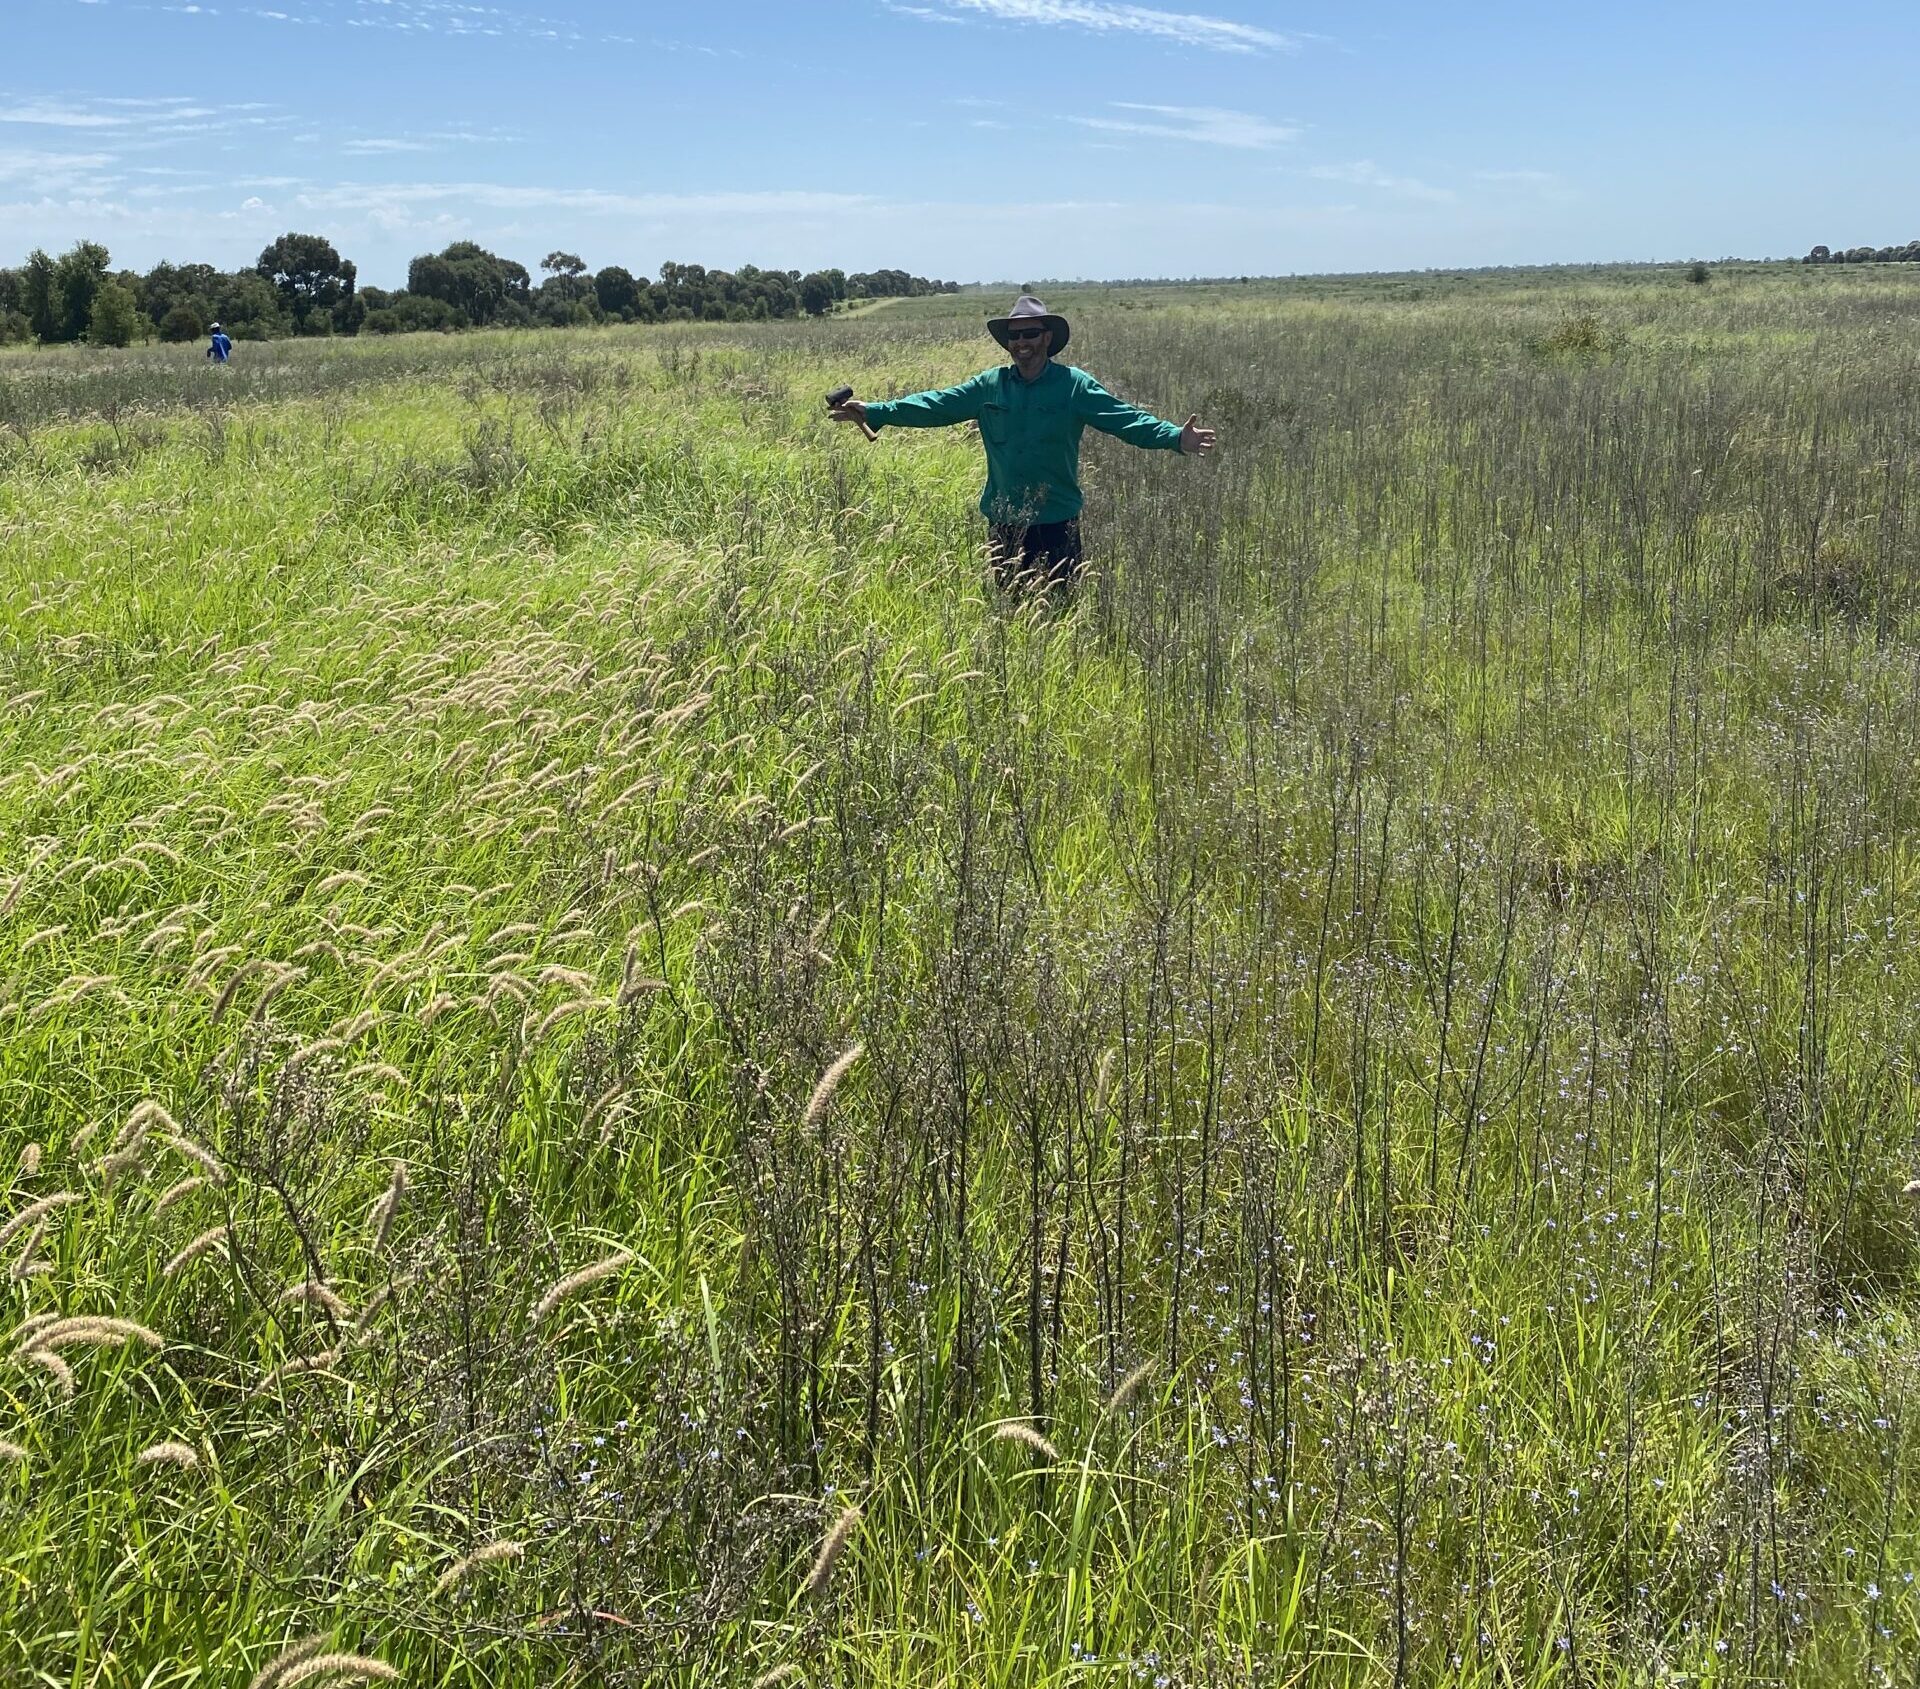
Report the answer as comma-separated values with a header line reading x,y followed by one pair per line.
x,y
65,171
1187,29
1364,173
54,115
1209,125
389,199
372,145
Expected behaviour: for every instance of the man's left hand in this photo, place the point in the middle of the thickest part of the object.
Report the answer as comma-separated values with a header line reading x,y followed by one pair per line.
x,y
1196,441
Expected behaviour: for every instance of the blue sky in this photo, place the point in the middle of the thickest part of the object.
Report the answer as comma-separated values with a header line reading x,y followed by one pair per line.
x,y
971,139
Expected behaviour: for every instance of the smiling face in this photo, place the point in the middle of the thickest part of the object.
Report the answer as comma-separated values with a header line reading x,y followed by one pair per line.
x,y
1029,344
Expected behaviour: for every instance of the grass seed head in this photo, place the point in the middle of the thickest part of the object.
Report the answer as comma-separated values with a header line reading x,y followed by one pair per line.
x,y
96,1331
27,1266
11,1451
388,1205
560,1291
290,1656
486,1556
821,1101
168,1453
334,1668
1019,1431
780,1674
178,1192
1123,1391
314,1294
832,1546
51,1364
35,1211
204,1159
211,1238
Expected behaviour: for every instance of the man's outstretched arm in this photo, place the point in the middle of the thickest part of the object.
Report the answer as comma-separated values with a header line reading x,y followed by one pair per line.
x,y
1102,410
938,407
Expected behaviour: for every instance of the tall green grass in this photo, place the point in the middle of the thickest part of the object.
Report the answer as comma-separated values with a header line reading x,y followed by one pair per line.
x,y
1367,1062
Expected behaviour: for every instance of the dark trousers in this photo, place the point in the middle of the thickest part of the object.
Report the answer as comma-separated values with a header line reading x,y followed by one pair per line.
x,y
1035,556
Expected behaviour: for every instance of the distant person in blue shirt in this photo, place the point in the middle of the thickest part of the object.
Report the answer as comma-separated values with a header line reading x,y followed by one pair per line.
x,y
222,348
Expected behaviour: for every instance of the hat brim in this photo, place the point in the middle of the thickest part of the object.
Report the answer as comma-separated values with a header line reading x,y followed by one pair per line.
x,y
1062,330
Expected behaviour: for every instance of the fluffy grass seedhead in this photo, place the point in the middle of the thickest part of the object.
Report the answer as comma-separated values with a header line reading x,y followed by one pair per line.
x,y
821,1102
36,1211
209,1239
832,1546
380,1217
94,1331
575,1282
1123,1392
491,1554
337,1668
294,1654
1019,1431
169,1453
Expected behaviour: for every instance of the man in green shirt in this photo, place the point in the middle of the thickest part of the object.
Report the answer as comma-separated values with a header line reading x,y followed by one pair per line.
x,y
1031,415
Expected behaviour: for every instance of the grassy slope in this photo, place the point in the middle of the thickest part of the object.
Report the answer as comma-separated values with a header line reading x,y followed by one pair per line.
x,y
1430,981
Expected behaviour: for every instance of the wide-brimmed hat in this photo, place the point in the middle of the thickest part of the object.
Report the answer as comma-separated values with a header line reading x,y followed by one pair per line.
x,y
1025,309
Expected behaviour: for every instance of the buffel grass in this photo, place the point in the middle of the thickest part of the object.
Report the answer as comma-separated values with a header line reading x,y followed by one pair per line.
x,y
576,998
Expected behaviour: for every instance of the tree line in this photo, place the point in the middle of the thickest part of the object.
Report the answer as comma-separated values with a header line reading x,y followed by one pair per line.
x,y
1908,254
302,286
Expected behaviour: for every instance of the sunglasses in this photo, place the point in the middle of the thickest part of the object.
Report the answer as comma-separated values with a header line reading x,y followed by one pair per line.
x,y
1027,333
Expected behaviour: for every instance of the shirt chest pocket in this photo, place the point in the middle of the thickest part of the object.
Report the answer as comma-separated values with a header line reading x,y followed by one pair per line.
x,y
994,424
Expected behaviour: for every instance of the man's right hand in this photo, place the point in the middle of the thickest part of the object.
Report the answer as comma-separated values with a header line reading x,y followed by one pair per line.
x,y
852,411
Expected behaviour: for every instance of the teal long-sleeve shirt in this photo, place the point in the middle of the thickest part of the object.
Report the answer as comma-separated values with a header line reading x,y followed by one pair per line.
x,y
1031,430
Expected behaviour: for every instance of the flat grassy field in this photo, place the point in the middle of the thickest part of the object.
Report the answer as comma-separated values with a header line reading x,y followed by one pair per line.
x,y
613,1073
